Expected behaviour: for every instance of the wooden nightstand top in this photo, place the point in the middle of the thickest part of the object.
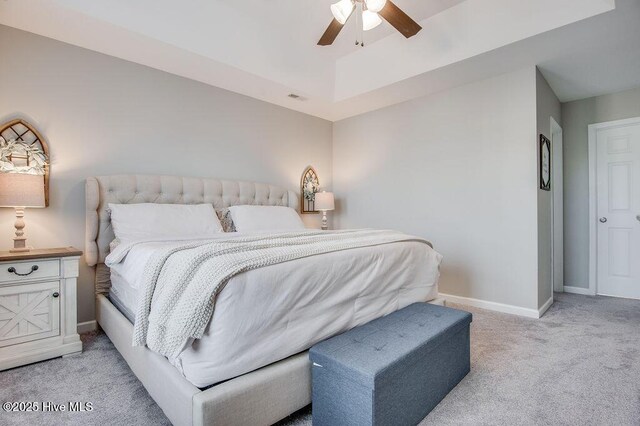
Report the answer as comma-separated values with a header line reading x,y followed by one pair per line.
x,y
7,256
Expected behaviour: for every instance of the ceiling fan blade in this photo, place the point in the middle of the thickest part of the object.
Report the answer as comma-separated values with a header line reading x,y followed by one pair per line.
x,y
330,33
399,20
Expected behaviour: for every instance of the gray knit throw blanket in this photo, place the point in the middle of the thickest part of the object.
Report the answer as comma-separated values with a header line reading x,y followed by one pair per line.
x,y
180,283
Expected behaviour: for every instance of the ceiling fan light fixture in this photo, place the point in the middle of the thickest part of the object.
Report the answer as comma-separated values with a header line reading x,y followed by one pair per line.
x,y
375,5
342,10
370,20
371,13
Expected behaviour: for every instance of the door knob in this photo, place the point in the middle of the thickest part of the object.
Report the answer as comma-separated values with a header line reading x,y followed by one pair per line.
x,y
603,220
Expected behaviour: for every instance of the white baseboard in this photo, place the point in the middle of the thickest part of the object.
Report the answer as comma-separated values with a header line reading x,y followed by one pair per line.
x,y
578,290
545,307
438,301
493,306
83,327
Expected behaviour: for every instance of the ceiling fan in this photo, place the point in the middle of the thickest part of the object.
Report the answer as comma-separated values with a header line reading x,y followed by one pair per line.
x,y
372,11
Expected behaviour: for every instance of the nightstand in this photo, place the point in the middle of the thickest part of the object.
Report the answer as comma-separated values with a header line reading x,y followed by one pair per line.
x,y
38,318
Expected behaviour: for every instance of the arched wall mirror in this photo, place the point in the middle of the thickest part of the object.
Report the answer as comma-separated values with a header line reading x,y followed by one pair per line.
x,y
21,131
309,185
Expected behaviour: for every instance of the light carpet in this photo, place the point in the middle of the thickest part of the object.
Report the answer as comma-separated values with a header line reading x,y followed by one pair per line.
x,y
578,365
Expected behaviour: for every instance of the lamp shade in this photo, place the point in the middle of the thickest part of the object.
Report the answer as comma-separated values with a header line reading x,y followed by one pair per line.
x,y
375,5
370,20
21,190
342,10
324,201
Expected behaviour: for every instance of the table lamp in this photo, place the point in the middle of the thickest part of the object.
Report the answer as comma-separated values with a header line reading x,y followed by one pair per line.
x,y
324,202
19,190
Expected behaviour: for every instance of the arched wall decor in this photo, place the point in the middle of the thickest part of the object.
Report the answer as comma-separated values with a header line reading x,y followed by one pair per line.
x,y
309,185
20,130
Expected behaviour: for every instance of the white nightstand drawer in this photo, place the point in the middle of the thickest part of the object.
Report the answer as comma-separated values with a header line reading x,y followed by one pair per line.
x,y
29,312
29,270
38,305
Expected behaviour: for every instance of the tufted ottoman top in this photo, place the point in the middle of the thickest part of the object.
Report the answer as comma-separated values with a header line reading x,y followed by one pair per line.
x,y
365,352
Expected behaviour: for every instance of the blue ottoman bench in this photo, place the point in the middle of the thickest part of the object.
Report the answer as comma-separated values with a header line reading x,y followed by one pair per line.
x,y
391,371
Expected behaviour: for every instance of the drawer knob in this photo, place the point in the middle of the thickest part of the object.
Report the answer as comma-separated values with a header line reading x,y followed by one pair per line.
x,y
12,270
56,294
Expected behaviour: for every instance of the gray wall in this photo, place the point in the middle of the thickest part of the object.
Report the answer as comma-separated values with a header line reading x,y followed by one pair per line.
x,y
547,105
103,115
458,168
576,118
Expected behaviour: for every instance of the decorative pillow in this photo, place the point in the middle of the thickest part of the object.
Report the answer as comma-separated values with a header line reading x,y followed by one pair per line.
x,y
113,244
265,218
224,215
149,221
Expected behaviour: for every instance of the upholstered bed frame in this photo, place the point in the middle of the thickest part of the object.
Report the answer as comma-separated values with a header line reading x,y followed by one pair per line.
x,y
261,397
132,189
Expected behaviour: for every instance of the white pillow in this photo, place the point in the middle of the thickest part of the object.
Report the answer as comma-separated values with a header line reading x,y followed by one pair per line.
x,y
148,221
265,218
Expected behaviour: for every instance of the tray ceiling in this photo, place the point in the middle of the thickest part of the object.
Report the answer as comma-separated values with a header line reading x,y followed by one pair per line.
x,y
267,48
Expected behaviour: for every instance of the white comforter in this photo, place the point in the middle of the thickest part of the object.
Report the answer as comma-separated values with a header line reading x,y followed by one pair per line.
x,y
267,314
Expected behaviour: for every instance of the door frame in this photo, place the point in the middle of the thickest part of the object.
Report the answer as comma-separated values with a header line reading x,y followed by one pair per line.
x,y
593,196
557,230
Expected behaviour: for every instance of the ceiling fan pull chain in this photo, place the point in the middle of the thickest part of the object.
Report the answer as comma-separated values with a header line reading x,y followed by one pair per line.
x,y
363,6
357,25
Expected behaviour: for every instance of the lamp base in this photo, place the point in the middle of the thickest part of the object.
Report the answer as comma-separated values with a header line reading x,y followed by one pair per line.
x,y
21,250
324,220
19,241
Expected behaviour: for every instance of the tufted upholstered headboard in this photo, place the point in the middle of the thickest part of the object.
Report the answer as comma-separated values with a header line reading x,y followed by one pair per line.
x,y
130,189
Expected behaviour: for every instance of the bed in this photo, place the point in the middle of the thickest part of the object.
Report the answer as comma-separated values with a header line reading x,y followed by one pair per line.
x,y
246,370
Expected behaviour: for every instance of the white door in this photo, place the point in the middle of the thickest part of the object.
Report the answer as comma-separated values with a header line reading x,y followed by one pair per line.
x,y
618,210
